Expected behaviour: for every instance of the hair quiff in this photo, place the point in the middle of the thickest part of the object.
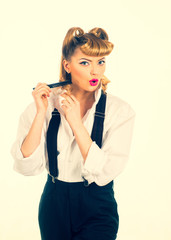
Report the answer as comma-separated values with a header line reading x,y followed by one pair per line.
x,y
93,43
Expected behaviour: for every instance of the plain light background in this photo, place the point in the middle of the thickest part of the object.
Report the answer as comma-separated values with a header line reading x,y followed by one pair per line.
x,y
31,36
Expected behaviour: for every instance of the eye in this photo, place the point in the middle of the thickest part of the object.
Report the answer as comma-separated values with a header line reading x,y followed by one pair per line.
x,y
102,62
84,63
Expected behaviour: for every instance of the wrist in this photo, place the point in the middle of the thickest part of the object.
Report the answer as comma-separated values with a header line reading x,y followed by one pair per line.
x,y
41,113
77,126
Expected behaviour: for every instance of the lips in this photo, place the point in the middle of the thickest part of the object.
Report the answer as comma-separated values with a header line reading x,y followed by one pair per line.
x,y
93,82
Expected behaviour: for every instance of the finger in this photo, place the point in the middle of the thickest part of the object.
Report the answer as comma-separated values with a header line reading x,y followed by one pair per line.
x,y
67,97
64,108
40,85
73,98
65,103
41,92
45,87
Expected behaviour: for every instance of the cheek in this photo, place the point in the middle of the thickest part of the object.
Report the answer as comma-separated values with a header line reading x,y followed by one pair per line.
x,y
102,70
78,73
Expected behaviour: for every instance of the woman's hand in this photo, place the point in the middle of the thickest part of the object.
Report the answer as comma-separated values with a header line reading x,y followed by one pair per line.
x,y
40,94
71,108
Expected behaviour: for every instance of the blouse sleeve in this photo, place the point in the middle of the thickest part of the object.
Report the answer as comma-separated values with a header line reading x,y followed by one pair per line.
x,y
35,163
104,164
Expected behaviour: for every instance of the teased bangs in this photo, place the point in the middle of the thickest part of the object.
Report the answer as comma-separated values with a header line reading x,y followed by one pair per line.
x,y
94,46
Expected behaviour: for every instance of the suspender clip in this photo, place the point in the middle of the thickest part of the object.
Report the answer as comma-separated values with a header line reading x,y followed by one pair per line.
x,y
86,184
53,179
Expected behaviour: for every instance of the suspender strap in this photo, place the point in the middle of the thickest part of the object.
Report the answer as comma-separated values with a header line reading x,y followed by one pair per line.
x,y
97,132
96,135
52,142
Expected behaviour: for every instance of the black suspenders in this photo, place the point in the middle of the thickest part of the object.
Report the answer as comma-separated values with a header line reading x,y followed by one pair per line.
x,y
52,142
96,134
97,131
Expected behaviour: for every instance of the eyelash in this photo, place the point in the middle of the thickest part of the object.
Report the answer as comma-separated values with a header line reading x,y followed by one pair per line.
x,y
82,63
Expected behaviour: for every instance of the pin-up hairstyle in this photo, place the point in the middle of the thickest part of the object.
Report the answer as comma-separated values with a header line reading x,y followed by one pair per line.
x,y
93,43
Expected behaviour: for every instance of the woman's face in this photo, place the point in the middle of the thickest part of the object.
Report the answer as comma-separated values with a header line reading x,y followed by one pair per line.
x,y
86,71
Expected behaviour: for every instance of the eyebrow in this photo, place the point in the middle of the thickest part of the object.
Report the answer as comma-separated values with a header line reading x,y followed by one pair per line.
x,y
90,60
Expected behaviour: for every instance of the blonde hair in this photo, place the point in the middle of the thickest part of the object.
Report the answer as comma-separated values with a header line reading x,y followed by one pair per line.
x,y
93,43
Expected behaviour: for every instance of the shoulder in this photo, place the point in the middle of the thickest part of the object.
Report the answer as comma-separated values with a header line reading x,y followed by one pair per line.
x,y
117,109
115,104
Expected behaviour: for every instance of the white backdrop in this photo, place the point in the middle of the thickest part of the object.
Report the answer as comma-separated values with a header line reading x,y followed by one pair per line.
x,y
31,35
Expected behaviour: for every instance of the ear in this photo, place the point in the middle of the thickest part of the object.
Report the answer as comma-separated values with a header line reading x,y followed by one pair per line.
x,y
66,65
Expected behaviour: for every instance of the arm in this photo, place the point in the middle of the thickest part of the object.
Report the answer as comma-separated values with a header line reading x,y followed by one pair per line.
x,y
71,109
35,162
28,149
103,165
82,138
32,140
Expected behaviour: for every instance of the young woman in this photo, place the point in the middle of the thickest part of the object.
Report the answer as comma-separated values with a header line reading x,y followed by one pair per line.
x,y
82,136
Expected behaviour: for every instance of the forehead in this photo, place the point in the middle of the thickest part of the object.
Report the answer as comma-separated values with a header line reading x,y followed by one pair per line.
x,y
79,54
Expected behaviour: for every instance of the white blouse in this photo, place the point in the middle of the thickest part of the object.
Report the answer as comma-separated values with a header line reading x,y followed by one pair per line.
x,y
101,165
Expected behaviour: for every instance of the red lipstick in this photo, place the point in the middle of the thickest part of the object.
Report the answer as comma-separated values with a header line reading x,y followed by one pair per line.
x,y
93,82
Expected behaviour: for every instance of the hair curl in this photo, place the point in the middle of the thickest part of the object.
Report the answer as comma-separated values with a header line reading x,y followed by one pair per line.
x,y
93,43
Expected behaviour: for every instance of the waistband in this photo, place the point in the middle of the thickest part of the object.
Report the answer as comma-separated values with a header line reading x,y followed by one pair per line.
x,y
85,182
55,180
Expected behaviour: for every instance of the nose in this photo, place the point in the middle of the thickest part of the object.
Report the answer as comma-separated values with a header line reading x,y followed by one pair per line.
x,y
94,70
